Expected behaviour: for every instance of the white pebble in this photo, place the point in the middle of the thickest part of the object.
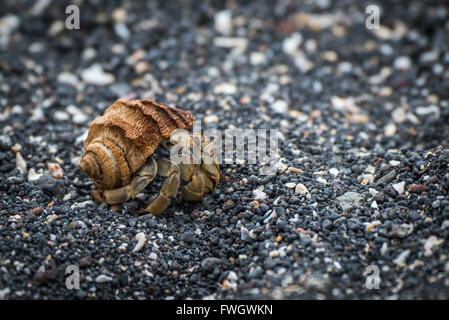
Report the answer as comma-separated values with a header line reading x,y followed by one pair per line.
x,y
210,119
290,185
257,58
402,63
102,278
232,276
334,172
280,106
291,44
141,239
33,176
390,130
301,189
399,187
21,163
225,88
61,116
68,78
259,194
223,21
152,256
401,258
97,76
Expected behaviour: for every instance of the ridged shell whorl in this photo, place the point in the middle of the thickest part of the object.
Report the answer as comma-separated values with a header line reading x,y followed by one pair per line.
x,y
120,141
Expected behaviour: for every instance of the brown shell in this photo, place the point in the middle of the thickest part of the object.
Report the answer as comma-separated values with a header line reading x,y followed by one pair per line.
x,y
120,141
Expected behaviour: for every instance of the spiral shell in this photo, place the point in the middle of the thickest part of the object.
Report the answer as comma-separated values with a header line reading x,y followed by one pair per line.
x,y
120,141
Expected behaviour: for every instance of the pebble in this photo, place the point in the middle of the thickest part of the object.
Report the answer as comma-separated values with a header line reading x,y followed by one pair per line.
x,y
153,256
55,170
301,189
225,88
350,199
21,163
223,22
187,237
402,63
141,239
244,233
291,44
399,187
103,278
259,194
279,106
33,176
402,258
390,129
257,58
97,76
68,78
211,119
334,171
290,185
401,231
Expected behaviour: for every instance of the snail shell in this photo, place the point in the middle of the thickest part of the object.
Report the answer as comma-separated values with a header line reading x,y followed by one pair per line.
x,y
120,141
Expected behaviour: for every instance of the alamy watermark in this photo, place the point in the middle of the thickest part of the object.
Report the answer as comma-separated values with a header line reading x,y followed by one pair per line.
x,y
72,281
231,146
372,22
373,277
73,20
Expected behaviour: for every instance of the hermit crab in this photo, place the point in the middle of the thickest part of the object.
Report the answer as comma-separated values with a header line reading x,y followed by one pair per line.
x,y
119,154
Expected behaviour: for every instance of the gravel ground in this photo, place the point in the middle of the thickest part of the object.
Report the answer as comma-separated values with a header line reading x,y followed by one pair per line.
x,y
363,125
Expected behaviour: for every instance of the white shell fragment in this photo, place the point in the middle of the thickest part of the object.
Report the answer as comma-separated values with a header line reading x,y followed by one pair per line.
x,y
141,239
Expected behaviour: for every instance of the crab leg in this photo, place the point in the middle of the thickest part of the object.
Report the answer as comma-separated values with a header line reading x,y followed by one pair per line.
x,y
194,190
165,168
143,177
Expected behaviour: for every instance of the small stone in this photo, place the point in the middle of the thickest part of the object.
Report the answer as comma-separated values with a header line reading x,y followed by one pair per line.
x,y
97,76
187,237
232,276
55,170
225,88
61,116
122,247
399,115
33,176
291,44
244,233
68,78
211,119
366,179
223,22
334,172
21,163
402,63
301,189
279,106
141,239
259,194
399,187
257,58
387,178
321,180
103,278
390,129
5,142
350,199
290,185
401,231
401,258
153,256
